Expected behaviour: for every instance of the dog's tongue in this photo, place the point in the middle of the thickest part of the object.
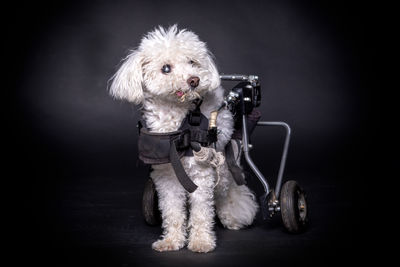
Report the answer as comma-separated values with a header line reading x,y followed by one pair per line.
x,y
179,93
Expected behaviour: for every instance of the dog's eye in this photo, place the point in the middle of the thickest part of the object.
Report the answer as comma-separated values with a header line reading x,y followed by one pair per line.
x,y
193,63
166,69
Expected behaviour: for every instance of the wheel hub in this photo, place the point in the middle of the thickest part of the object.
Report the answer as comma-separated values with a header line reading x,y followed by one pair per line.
x,y
302,206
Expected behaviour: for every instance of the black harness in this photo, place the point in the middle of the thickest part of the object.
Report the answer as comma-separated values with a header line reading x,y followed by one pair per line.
x,y
161,148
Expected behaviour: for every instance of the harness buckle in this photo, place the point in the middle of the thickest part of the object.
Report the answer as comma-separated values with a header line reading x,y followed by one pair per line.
x,y
194,118
195,115
183,140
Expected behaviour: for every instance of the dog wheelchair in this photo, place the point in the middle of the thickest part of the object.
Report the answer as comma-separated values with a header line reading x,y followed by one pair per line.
x,y
288,199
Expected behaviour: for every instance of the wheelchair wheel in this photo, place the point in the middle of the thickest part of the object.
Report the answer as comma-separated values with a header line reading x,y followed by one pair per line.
x,y
150,209
294,210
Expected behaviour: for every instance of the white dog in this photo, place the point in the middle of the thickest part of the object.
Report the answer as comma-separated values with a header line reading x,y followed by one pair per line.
x,y
168,70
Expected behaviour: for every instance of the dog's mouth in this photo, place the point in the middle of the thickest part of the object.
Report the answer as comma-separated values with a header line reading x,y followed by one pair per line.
x,y
179,93
187,96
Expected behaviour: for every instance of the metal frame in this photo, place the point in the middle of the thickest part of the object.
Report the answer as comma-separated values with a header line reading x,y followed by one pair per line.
x,y
271,197
284,152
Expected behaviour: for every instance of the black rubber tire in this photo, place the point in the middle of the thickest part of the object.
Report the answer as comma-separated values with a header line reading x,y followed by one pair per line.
x,y
294,210
150,210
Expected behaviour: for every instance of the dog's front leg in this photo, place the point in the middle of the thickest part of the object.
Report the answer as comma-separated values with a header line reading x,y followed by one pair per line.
x,y
202,237
172,204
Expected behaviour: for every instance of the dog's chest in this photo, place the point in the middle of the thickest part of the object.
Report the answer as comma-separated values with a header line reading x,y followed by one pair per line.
x,y
164,118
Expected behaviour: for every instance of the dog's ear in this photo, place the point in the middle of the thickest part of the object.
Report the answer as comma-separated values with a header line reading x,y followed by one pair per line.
x,y
127,81
215,80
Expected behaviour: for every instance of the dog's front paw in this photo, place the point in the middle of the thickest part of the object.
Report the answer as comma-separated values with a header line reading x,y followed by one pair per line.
x,y
167,244
202,243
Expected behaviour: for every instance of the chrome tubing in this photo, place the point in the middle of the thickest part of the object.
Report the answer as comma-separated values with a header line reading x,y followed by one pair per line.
x,y
253,79
234,77
245,143
285,151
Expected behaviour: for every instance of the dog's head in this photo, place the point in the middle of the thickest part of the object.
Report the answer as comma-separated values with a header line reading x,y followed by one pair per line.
x,y
169,63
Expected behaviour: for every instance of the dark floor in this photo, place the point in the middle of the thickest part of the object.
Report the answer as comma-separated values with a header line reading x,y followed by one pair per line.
x,y
98,222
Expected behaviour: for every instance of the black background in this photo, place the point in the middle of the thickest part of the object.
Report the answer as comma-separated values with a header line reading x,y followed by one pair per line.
x,y
76,186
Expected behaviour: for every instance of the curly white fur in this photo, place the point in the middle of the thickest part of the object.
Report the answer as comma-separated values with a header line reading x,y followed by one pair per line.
x,y
141,81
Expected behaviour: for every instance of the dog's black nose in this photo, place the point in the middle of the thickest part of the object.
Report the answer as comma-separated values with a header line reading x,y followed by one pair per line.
x,y
193,81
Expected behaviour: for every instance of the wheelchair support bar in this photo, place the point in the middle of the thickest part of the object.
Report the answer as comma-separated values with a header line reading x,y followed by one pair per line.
x,y
253,79
245,142
284,154
234,77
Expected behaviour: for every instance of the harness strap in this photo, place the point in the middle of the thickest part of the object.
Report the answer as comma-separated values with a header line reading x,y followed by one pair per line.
x,y
180,173
199,136
233,166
